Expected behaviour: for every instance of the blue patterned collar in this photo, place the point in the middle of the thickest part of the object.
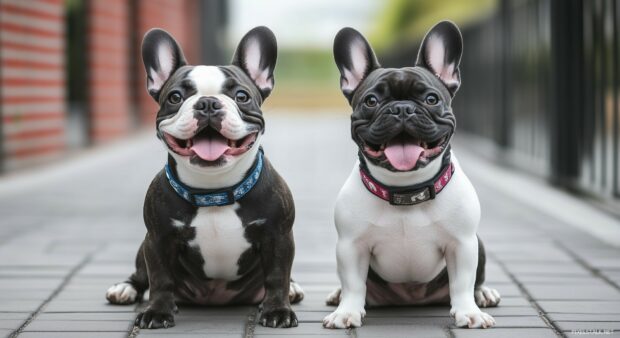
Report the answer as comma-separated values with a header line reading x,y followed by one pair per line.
x,y
218,197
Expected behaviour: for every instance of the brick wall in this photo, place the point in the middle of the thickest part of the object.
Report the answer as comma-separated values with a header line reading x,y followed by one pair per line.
x,y
33,84
32,81
108,69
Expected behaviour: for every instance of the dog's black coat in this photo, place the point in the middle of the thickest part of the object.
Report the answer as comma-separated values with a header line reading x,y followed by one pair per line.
x,y
166,263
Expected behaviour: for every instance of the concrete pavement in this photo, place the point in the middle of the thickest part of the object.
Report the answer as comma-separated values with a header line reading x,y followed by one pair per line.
x,y
70,230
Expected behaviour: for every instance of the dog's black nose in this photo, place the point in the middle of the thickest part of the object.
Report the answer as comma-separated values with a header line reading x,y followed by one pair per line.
x,y
207,104
402,109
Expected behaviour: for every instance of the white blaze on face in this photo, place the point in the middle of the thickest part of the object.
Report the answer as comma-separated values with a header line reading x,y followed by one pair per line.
x,y
208,81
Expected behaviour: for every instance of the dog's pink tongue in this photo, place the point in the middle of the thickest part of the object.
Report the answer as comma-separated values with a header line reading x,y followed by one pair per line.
x,y
211,147
403,155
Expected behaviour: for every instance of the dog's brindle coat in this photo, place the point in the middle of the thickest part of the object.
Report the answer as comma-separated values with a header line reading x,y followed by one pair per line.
x,y
233,254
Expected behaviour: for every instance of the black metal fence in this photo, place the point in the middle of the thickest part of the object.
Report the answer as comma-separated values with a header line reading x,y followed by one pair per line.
x,y
541,81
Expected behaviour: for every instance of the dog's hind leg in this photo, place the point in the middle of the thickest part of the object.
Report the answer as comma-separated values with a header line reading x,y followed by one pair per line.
x,y
131,290
295,293
333,298
484,296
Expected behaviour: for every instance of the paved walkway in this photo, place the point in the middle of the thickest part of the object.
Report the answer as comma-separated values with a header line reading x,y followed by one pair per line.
x,y
70,230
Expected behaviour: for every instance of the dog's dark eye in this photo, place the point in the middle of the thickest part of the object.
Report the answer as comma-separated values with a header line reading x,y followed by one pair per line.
x,y
371,101
175,98
242,96
431,99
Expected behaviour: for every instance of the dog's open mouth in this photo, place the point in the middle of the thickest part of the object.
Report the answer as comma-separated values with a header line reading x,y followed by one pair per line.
x,y
405,152
209,145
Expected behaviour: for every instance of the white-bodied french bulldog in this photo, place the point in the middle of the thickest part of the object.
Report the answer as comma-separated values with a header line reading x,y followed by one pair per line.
x,y
407,216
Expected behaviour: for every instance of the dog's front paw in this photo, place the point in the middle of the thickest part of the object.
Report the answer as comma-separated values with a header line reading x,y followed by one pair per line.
x,y
344,319
278,317
486,297
154,319
472,318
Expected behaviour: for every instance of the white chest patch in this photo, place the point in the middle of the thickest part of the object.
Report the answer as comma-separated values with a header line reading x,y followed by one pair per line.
x,y
220,239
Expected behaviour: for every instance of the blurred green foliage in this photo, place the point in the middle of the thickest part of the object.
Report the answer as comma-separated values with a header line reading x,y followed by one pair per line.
x,y
409,20
306,66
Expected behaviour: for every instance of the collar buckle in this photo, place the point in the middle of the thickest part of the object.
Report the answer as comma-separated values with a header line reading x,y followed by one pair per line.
x,y
413,197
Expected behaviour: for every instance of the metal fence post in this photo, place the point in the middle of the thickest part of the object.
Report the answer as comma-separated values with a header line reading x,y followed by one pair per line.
x,y
567,97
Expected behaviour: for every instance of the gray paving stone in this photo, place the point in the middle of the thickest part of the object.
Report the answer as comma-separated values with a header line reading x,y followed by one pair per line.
x,y
611,263
513,301
32,295
10,324
501,311
311,316
207,325
508,290
603,333
547,269
594,291
5,332
587,325
19,305
83,325
302,328
14,315
379,331
557,280
408,312
157,334
584,317
306,305
520,322
335,333
503,333
42,284
588,307
440,321
86,316
446,320
28,334
88,305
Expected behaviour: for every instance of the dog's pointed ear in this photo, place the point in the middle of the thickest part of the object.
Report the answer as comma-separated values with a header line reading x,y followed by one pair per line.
x,y
441,52
161,56
256,55
355,59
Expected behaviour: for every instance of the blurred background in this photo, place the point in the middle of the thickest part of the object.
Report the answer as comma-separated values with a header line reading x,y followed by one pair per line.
x,y
540,87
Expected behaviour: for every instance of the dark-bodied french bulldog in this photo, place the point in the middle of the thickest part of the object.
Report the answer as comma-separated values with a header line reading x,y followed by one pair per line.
x,y
218,216
407,215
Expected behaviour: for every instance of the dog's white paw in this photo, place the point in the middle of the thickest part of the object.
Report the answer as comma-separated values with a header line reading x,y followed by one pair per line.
x,y
333,298
295,293
122,293
472,318
344,318
486,297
